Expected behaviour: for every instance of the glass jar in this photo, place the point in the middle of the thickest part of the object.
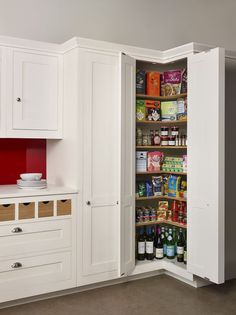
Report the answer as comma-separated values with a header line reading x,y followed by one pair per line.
x,y
171,140
164,131
174,131
164,140
145,140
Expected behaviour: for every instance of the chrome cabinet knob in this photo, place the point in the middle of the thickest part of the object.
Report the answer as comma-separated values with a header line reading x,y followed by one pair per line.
x,y
18,99
88,203
16,265
17,230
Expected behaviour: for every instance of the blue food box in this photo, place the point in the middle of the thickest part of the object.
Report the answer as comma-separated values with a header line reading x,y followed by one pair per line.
x,y
140,81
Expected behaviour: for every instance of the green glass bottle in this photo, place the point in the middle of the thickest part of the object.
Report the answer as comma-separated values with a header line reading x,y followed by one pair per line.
x,y
170,245
175,238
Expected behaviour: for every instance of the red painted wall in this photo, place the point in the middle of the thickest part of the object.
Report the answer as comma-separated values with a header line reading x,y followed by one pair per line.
x,y
21,156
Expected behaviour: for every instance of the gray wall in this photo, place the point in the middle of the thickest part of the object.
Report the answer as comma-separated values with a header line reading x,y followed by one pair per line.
x,y
159,24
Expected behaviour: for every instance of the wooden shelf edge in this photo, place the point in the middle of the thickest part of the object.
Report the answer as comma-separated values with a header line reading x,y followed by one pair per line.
x,y
160,197
184,226
161,172
161,98
160,122
161,147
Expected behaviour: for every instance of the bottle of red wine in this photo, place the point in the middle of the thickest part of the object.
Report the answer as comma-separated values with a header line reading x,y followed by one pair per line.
x,y
149,243
180,246
158,245
141,245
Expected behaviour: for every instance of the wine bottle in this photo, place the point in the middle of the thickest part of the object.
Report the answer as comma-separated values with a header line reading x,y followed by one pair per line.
x,y
180,246
163,238
170,246
159,251
149,244
141,245
185,249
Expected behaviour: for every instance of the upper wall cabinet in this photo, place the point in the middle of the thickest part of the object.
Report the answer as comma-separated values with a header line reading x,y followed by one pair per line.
x,y
33,94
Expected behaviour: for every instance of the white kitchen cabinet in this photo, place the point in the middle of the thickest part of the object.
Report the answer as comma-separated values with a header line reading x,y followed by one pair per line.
x,y
100,198
31,94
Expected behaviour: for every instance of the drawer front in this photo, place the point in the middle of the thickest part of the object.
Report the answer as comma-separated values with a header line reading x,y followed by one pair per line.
x,y
30,276
64,207
7,212
45,209
24,238
26,210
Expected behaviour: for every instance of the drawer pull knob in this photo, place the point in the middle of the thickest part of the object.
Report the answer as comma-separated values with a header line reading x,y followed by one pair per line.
x,y
17,230
16,265
88,203
18,99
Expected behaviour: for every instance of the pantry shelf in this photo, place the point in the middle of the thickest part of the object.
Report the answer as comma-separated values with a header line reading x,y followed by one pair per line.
x,y
160,147
161,98
184,226
162,122
161,172
160,197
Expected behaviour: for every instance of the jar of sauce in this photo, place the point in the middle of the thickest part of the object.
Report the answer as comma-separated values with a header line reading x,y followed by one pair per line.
x,y
174,131
171,140
164,140
164,131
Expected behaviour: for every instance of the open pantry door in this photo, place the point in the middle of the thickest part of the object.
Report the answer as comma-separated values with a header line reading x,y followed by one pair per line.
x,y
127,189
205,243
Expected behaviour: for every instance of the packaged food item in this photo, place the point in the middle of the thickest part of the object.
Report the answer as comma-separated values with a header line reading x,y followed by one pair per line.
x,y
182,108
157,185
152,214
185,163
154,161
145,214
184,82
140,110
171,82
172,164
165,185
174,131
139,137
175,211
140,81
141,161
153,83
139,215
149,190
156,138
174,186
168,110
171,140
161,215
169,215
153,110
141,189
163,205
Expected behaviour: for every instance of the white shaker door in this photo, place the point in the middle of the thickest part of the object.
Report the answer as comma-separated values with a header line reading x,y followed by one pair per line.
x,y
205,244
127,185
99,97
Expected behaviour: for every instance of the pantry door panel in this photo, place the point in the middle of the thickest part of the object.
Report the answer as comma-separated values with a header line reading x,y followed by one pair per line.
x,y
101,163
127,188
205,244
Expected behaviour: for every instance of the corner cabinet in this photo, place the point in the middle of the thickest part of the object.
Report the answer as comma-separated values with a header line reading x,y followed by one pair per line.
x,y
33,93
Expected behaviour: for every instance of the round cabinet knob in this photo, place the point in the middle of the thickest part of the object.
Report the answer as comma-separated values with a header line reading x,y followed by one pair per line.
x,y
88,203
17,230
18,99
16,265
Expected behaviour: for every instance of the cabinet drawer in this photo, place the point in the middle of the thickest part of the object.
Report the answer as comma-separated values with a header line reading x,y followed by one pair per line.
x,y
64,207
7,212
45,209
29,276
25,238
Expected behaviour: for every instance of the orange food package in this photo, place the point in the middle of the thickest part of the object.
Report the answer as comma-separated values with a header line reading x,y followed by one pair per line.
x,y
153,83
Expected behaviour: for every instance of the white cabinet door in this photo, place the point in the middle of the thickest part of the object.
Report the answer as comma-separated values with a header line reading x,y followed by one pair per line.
x,y
206,73
35,100
127,221
99,99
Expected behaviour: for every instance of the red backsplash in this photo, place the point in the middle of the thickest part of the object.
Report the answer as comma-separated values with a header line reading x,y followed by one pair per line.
x,y
21,156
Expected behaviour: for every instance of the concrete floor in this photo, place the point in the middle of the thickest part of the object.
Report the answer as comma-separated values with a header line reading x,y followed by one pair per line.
x,y
159,295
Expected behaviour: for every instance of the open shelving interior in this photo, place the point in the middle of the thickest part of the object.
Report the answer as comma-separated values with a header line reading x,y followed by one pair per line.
x,y
176,151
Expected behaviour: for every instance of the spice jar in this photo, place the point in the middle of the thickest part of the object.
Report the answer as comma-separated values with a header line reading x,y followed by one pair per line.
x,y
171,140
164,131
145,140
174,131
164,140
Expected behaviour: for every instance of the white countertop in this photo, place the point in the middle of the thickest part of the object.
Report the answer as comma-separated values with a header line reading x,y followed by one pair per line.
x,y
12,191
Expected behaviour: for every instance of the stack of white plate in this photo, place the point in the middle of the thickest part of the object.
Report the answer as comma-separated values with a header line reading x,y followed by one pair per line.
x,y
31,181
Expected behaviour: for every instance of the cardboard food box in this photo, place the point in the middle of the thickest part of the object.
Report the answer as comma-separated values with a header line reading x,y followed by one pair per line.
x,y
169,110
140,81
153,83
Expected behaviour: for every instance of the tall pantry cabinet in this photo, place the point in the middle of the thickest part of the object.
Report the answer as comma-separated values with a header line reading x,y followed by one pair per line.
x,y
97,156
